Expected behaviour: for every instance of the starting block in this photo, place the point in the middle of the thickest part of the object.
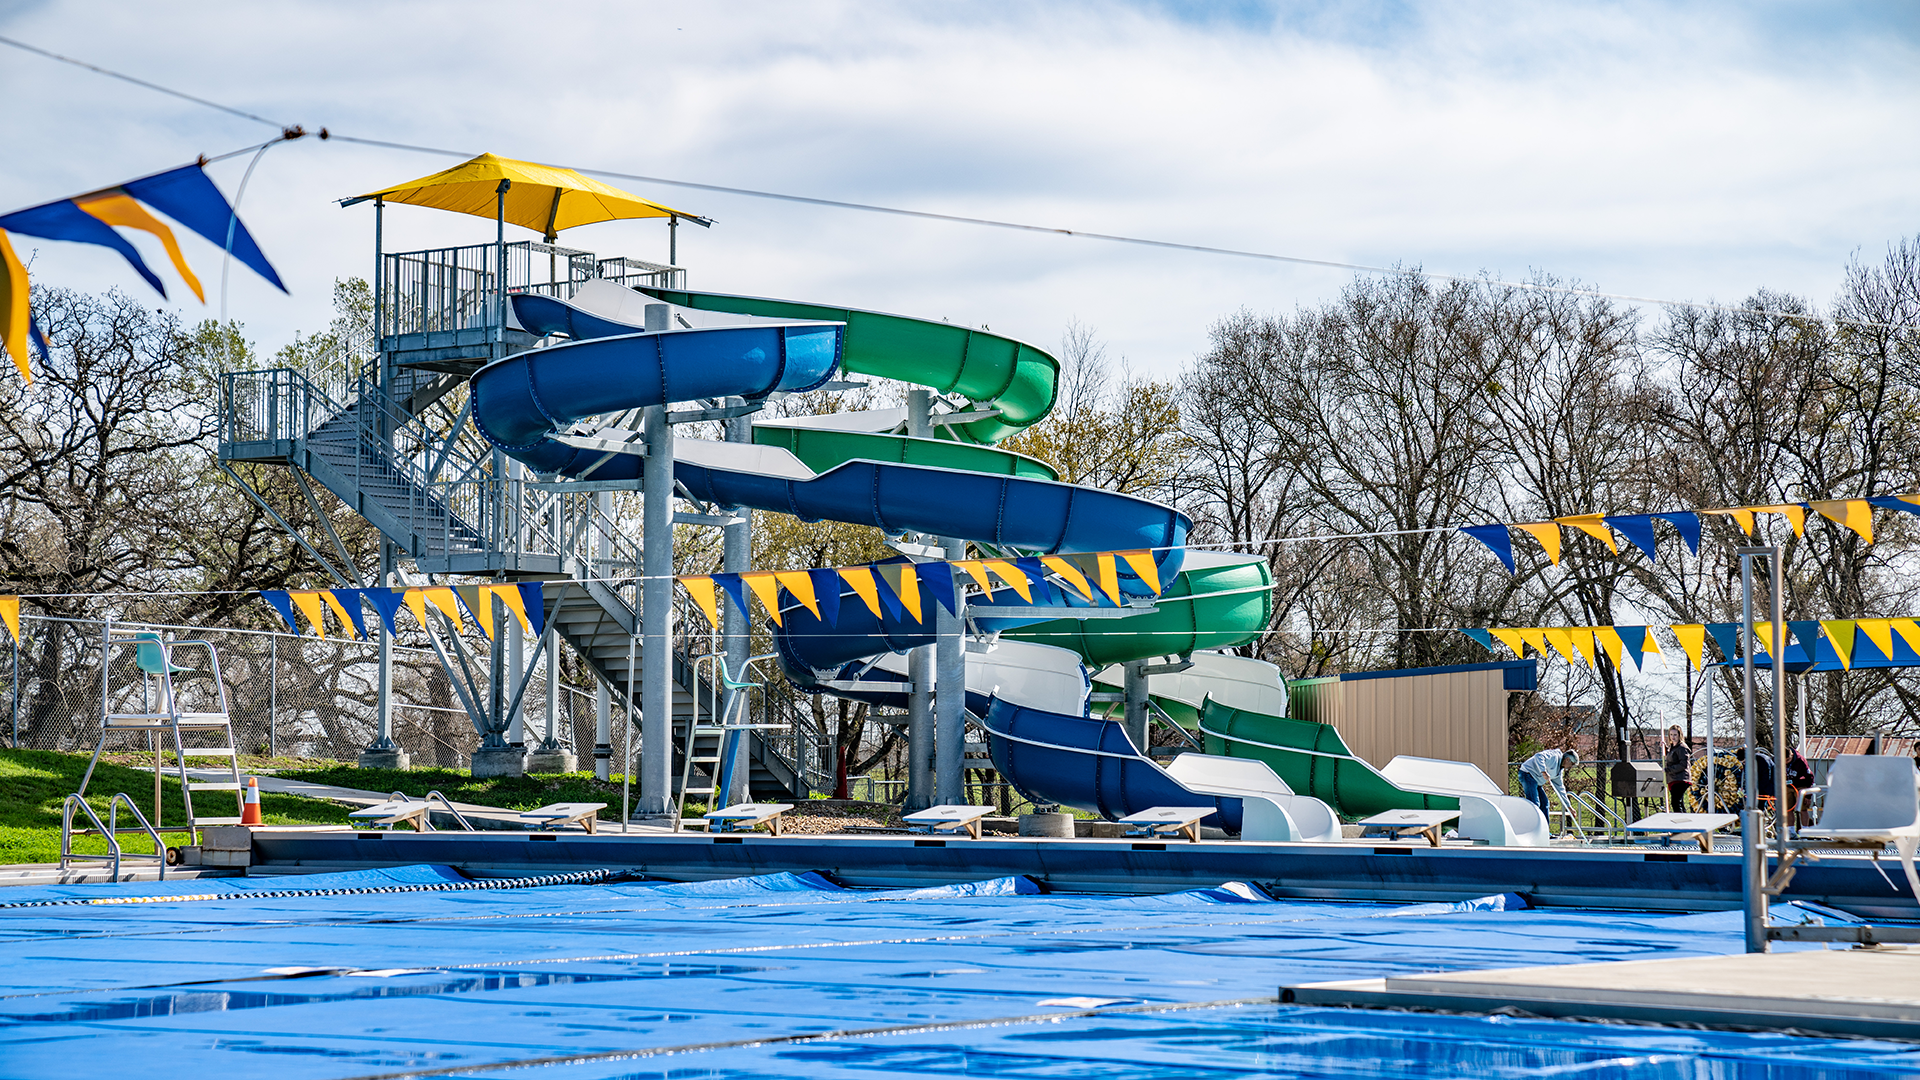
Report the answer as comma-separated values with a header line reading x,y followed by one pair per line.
x,y
1699,826
561,815
394,812
742,817
948,819
1168,821
1401,824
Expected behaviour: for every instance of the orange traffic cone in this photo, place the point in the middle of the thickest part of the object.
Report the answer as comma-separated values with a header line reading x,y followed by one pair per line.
x,y
250,812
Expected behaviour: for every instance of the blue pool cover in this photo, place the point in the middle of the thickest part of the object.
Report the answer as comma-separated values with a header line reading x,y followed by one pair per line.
x,y
400,973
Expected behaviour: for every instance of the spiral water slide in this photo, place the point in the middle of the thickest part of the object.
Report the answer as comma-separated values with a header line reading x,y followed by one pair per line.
x,y
559,409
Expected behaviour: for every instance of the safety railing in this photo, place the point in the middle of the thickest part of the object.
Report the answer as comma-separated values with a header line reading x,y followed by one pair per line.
x,y
459,288
111,830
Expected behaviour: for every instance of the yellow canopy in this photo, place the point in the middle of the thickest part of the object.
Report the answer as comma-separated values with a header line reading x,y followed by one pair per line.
x,y
539,197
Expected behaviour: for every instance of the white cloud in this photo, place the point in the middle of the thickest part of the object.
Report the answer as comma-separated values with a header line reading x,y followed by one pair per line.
x,y
1692,152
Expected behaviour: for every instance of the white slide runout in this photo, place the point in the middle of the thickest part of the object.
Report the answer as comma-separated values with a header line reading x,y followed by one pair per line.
x,y
1270,811
1487,812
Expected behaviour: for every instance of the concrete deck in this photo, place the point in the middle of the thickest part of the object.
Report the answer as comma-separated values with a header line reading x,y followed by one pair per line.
x,y
1868,992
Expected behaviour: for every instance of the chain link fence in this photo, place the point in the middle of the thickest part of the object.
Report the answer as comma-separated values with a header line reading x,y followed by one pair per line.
x,y
288,695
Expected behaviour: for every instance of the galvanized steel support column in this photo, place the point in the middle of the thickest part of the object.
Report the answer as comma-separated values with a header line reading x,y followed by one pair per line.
x,y
950,692
921,734
382,752
736,556
602,692
656,607
1135,684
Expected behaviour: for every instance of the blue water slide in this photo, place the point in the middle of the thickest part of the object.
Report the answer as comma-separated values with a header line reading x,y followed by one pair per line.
x,y
1088,764
519,402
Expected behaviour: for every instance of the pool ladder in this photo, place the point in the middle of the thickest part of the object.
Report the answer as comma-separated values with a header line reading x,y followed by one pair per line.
x,y
111,830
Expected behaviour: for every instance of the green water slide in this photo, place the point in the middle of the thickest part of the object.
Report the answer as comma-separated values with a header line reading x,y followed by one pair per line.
x,y
1313,759
1009,377
822,449
1217,602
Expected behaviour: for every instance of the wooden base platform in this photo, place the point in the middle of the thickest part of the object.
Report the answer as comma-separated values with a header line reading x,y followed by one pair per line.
x,y
1862,992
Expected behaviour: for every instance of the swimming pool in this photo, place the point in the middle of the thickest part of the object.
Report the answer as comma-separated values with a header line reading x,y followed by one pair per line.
x,y
791,975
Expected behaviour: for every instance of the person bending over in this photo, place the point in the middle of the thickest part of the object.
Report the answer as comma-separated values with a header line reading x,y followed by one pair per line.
x,y
1544,769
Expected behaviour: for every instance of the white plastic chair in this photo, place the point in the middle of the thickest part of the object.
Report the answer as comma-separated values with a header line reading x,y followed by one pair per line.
x,y
1872,799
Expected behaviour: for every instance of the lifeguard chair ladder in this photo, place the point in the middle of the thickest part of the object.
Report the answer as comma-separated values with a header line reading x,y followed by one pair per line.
x,y
153,656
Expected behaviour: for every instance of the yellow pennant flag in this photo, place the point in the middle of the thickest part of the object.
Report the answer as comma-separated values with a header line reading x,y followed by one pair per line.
x,y
346,622
1548,534
861,580
117,208
10,614
1840,633
978,572
1142,564
1740,514
1069,574
1880,632
1512,640
1795,514
1593,526
1582,639
801,586
443,598
767,588
1609,639
14,292
1692,638
1108,572
1561,641
1763,635
904,583
1534,637
1013,576
1909,632
1650,647
1855,514
309,604
701,589
417,604
510,596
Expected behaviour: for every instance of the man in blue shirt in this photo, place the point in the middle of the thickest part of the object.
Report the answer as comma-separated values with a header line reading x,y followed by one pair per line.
x,y
1548,767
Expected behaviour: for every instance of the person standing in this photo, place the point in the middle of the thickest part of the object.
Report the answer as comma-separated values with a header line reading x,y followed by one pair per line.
x,y
1679,764
1548,768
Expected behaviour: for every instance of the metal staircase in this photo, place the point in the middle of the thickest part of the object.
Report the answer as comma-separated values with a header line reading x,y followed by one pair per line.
x,y
392,438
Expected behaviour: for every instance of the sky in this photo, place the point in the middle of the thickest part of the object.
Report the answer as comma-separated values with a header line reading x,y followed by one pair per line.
x,y
1691,151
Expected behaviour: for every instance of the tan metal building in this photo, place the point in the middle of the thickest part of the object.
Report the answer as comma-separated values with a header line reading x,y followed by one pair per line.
x,y
1455,713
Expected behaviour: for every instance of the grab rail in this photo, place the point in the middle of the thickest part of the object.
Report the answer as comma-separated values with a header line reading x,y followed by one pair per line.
x,y
111,831
444,801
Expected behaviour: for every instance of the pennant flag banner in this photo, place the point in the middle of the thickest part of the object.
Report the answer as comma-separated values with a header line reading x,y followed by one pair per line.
x,y
185,194
1808,644
1855,515
10,614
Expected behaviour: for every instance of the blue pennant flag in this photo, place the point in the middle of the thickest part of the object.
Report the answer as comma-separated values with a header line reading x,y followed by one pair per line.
x,y
388,603
1485,639
283,604
534,598
1888,502
1496,538
1806,632
187,196
937,578
350,600
1635,640
1638,529
64,220
888,598
1727,636
1688,523
826,594
736,591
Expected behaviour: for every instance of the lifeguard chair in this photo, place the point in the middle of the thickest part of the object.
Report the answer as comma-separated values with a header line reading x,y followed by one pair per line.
x,y
162,717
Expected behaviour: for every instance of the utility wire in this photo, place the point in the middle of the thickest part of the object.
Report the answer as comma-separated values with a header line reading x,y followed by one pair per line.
x,y
996,223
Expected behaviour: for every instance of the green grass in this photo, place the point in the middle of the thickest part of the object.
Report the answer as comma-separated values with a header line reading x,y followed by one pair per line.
x,y
34,783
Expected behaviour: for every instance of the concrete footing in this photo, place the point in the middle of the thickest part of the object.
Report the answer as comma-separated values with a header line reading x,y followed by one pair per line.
x,y
1046,824
552,761
395,758
502,762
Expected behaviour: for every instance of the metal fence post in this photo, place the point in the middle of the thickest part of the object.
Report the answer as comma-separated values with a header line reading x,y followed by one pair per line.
x,y
273,695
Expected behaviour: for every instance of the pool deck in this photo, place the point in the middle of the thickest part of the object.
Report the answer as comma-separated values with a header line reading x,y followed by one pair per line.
x,y
1646,878
1863,992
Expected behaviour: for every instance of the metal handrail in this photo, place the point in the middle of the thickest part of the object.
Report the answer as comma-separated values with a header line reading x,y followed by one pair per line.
x,y
111,831
448,803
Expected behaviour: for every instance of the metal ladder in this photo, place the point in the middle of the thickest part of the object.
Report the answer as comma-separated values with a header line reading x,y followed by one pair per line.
x,y
111,831
732,719
153,655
